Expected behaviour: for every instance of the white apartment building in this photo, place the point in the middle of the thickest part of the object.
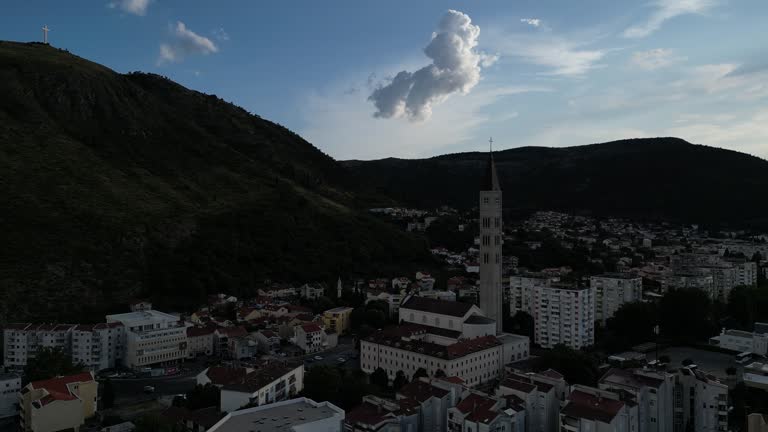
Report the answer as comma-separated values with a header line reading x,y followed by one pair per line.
x,y
200,341
540,397
21,341
652,391
743,341
563,314
521,288
10,384
704,406
265,385
481,413
611,290
98,346
295,415
309,337
152,338
393,299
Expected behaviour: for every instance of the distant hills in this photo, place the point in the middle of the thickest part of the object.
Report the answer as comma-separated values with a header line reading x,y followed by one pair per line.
x,y
651,178
121,185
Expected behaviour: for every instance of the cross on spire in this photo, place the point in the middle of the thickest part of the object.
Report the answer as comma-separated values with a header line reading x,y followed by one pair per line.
x,y
490,141
45,33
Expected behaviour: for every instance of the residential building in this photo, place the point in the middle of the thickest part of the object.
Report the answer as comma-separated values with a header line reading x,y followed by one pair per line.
x,y
376,414
522,287
309,337
21,341
651,390
295,415
611,290
200,341
563,314
242,347
222,336
338,319
312,291
481,413
221,376
593,410
10,384
270,383
446,315
701,402
757,422
540,397
392,298
432,399
98,346
743,341
268,341
140,305
491,239
756,375
58,403
188,420
152,338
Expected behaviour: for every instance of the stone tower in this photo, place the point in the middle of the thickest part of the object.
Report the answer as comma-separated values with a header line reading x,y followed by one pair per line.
x,y
490,245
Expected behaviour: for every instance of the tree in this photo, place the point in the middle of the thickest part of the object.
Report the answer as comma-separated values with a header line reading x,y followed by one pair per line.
x,y
322,383
521,323
380,378
687,362
153,423
686,315
322,304
665,359
203,397
49,363
107,394
420,373
578,367
630,325
375,318
731,371
439,373
400,380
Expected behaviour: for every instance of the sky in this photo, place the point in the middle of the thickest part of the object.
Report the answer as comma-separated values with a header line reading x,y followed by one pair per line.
x,y
374,79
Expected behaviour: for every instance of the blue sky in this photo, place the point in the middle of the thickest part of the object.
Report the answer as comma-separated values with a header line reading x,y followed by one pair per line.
x,y
551,73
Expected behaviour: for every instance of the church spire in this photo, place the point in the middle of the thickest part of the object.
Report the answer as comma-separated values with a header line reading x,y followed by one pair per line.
x,y
490,179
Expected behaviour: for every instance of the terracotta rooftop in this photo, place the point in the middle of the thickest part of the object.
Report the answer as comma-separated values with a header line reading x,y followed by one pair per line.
x,y
367,414
591,407
200,331
478,408
421,391
238,331
395,337
311,328
58,386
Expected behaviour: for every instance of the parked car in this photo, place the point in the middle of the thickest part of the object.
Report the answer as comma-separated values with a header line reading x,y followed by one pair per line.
x,y
341,360
318,358
149,389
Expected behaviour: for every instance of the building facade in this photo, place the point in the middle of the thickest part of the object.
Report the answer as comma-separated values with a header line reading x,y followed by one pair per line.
x,y
98,346
152,338
298,415
265,385
10,384
563,314
491,238
611,290
58,403
338,319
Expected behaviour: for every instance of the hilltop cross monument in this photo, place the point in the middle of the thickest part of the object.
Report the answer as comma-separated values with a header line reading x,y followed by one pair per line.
x,y
490,243
45,33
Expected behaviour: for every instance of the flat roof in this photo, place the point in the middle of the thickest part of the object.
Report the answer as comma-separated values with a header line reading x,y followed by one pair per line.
x,y
339,309
278,417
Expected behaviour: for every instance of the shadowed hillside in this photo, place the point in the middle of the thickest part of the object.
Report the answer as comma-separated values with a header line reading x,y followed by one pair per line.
x,y
117,185
655,177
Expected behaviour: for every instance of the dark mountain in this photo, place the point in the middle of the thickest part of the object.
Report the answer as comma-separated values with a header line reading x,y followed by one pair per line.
x,y
655,178
114,186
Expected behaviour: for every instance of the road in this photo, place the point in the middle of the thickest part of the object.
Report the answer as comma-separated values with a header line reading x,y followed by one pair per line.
x,y
330,357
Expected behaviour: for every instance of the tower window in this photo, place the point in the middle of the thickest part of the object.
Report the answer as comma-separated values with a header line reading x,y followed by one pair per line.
x,y
485,200
496,222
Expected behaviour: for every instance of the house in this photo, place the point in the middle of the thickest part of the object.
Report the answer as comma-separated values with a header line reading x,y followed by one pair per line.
x,y
200,341
312,291
338,319
400,283
270,383
274,310
295,415
248,313
376,414
309,337
222,336
58,403
221,376
242,347
481,413
10,384
268,341
140,305
588,409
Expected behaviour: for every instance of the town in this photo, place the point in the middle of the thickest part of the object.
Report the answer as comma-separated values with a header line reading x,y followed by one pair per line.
x,y
554,322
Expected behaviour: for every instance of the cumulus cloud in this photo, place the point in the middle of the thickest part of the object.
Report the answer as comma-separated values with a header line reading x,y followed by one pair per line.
x,y
654,59
666,10
455,68
531,21
184,42
136,7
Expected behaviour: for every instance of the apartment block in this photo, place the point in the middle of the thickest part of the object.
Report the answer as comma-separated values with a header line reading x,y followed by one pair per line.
x,y
57,404
10,384
563,314
98,346
152,338
612,290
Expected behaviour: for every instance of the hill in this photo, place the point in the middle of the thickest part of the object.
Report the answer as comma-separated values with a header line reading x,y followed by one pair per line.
x,y
649,178
121,185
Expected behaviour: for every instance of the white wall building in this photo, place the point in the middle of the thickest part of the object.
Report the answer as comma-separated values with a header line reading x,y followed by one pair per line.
x,y
98,346
266,385
521,288
21,341
704,402
152,338
652,391
563,314
743,341
593,410
10,384
295,415
309,337
611,290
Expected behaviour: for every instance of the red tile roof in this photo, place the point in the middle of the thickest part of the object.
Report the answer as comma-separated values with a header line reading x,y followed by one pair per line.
x,y
368,414
478,408
591,407
311,328
224,375
421,391
200,331
59,385
233,331
453,379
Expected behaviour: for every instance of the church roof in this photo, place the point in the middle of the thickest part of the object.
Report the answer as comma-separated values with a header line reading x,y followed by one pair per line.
x,y
490,179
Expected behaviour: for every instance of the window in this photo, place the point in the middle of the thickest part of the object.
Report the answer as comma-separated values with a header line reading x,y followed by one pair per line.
x,y
485,200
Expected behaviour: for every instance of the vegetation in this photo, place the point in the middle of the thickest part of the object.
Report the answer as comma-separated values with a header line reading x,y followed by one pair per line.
x,y
107,394
202,396
132,185
578,367
50,363
345,388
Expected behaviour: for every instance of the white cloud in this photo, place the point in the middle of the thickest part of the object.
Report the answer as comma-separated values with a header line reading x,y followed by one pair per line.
x,y
654,59
564,57
136,7
749,135
455,68
531,21
666,10
341,125
723,79
184,42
